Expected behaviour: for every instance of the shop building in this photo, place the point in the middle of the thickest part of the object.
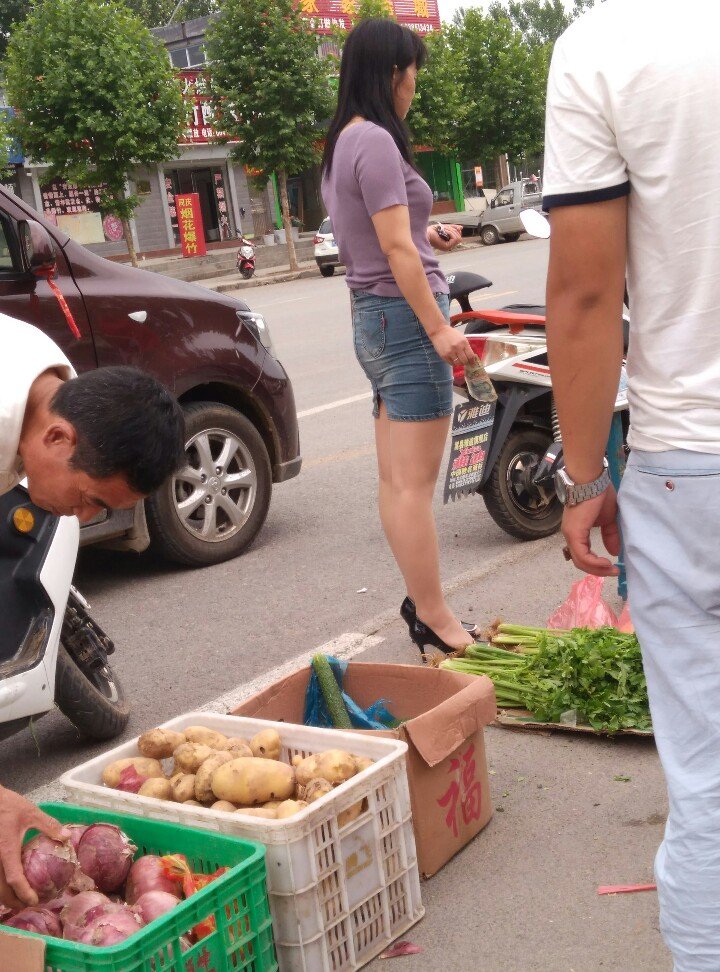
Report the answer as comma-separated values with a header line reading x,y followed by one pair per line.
x,y
230,203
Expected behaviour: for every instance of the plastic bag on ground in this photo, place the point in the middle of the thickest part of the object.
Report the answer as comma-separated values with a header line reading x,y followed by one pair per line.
x,y
375,716
584,607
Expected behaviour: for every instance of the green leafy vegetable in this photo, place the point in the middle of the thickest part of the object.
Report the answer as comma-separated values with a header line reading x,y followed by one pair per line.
x,y
595,676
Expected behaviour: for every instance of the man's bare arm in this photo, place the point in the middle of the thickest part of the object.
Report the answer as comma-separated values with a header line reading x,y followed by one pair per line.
x,y
588,252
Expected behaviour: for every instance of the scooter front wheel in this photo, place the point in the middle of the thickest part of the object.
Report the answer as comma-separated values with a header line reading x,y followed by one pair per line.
x,y
516,504
93,700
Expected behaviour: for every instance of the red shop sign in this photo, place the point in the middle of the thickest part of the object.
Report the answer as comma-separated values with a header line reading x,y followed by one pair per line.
x,y
190,224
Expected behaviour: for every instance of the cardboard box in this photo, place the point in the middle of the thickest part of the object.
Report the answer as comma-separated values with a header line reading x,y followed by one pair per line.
x,y
19,952
447,770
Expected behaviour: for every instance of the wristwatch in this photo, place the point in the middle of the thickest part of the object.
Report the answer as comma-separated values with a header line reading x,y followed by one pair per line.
x,y
570,493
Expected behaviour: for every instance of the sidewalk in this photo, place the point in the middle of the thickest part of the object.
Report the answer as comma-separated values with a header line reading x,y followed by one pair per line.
x,y
522,896
233,281
308,268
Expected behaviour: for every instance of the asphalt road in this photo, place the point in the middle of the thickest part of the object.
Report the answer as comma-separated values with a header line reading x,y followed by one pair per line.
x,y
522,896
186,636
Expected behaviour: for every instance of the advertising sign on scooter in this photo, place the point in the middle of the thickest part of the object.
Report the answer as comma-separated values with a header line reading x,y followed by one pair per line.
x,y
471,428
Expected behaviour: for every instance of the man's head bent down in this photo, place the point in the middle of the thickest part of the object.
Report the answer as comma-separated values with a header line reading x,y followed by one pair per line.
x,y
102,440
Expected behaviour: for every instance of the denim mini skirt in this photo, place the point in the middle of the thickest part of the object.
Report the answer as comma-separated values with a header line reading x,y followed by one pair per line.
x,y
394,351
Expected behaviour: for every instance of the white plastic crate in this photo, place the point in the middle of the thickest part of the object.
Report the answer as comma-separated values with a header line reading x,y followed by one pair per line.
x,y
338,896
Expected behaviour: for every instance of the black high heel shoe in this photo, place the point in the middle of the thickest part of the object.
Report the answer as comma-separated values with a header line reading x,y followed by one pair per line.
x,y
425,637
408,613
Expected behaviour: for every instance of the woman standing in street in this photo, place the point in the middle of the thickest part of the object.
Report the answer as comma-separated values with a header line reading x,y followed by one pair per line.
x,y
380,206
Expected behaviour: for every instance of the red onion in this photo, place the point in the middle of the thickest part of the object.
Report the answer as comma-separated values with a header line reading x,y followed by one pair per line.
x,y
130,780
39,920
81,910
77,916
148,874
105,854
49,865
75,832
153,904
56,905
109,929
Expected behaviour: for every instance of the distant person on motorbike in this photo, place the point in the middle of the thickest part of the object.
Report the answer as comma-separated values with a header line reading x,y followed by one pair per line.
x,y
380,205
633,113
103,440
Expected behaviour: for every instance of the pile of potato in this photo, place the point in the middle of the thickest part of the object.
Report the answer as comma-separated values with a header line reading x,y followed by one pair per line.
x,y
227,773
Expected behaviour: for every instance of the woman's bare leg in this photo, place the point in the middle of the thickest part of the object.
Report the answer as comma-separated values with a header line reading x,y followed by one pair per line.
x,y
409,457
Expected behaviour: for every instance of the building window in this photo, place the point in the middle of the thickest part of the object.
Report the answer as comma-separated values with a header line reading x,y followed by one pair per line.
x,y
185,57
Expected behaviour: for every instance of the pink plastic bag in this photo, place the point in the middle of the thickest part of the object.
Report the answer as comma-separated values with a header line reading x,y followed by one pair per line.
x,y
584,607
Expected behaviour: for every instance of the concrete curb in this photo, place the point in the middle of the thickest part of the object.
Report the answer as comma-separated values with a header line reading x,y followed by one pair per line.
x,y
283,277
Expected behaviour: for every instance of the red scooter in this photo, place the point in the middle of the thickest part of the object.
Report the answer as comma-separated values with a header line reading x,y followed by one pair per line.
x,y
246,258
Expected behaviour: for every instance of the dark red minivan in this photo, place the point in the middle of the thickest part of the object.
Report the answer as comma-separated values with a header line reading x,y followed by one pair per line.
x,y
209,349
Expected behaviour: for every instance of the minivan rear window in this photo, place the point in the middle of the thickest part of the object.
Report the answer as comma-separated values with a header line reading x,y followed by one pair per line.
x,y
325,226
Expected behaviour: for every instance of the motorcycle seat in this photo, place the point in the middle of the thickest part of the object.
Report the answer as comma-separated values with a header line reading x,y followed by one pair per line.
x,y
462,284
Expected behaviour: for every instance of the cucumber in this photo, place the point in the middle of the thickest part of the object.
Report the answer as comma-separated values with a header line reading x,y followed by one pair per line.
x,y
331,692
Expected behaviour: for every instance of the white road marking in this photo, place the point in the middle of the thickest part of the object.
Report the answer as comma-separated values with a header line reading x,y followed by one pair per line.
x,y
331,405
346,646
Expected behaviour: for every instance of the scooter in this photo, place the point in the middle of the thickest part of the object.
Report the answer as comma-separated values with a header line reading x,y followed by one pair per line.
x,y
246,258
525,446
51,651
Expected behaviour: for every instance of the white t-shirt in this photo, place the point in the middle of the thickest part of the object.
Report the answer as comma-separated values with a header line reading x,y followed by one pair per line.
x,y
25,352
634,107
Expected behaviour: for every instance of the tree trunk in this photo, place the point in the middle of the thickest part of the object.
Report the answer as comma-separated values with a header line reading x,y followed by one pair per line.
x,y
285,207
127,232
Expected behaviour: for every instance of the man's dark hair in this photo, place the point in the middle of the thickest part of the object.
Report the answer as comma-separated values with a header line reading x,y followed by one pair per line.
x,y
371,53
127,424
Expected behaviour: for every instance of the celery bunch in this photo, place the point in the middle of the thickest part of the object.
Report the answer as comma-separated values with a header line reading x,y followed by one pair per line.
x,y
596,673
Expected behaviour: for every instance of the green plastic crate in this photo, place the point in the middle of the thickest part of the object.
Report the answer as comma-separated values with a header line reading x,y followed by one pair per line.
x,y
242,941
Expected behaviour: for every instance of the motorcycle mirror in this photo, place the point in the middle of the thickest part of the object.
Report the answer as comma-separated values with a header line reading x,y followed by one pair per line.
x,y
535,224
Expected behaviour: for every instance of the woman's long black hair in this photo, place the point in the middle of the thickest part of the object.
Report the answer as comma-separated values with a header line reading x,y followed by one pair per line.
x,y
372,51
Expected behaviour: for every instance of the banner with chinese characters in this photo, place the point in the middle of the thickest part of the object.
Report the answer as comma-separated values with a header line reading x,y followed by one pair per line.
x,y
421,16
471,430
190,224
201,127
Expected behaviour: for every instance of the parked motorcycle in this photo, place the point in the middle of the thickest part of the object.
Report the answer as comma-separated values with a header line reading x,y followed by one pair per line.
x,y
245,262
51,650
525,447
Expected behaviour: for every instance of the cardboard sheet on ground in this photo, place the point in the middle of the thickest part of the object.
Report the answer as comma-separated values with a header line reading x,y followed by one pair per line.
x,y
20,952
522,719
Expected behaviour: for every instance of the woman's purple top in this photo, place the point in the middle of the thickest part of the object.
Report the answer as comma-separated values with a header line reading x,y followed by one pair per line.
x,y
369,174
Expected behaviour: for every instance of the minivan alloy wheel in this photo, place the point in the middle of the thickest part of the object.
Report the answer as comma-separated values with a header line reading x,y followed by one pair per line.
x,y
215,492
212,509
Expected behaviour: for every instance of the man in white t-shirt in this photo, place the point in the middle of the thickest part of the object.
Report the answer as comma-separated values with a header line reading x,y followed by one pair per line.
x,y
632,141
102,440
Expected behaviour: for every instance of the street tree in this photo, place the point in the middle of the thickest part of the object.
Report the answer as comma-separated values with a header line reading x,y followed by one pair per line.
x,y
539,21
502,79
157,13
11,12
270,91
439,107
96,96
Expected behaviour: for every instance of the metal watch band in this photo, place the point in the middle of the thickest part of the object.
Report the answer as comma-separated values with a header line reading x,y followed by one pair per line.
x,y
578,494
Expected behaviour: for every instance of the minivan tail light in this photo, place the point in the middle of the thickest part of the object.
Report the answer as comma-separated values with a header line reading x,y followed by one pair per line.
x,y
318,240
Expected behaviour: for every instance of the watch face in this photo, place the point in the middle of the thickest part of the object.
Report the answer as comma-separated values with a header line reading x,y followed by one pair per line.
x,y
560,488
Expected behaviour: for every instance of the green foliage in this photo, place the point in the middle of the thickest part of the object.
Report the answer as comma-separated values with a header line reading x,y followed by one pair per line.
x,y
365,9
11,12
157,13
268,86
502,79
439,109
6,144
539,21
95,94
